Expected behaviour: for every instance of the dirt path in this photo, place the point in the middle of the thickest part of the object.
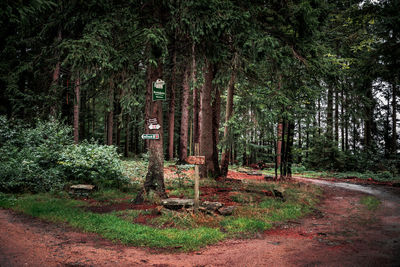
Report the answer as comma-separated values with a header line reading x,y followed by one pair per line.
x,y
343,233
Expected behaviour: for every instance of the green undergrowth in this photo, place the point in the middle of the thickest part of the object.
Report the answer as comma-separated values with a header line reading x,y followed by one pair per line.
x,y
113,196
370,202
255,211
110,226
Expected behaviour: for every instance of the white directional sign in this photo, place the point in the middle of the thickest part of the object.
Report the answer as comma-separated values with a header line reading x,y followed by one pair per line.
x,y
152,121
154,126
150,136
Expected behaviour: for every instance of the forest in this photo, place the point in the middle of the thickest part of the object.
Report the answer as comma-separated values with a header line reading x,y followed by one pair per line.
x,y
199,133
309,84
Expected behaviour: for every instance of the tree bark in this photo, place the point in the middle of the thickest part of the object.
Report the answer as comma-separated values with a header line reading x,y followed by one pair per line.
x,y
183,145
329,116
83,115
278,162
154,180
342,121
118,118
56,76
171,115
206,133
300,141
319,116
369,119
228,115
216,118
126,144
110,116
279,146
336,116
76,109
196,109
394,120
288,157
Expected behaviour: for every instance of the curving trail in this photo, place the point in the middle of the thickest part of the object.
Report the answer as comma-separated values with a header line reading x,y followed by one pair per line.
x,y
342,233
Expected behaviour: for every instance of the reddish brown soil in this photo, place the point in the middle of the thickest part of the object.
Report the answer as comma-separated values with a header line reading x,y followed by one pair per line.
x,y
341,233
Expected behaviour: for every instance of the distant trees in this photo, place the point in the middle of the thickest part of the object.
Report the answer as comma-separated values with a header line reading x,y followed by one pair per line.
x,y
306,82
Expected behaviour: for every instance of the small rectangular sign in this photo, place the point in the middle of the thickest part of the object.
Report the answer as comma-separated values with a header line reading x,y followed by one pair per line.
x,y
196,160
154,126
151,136
159,92
152,121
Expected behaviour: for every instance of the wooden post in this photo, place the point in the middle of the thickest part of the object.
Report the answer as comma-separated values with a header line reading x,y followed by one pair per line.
x,y
196,179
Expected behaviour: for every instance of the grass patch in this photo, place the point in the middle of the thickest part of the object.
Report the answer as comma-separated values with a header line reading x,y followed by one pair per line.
x,y
255,211
244,225
186,220
111,226
185,192
112,196
370,202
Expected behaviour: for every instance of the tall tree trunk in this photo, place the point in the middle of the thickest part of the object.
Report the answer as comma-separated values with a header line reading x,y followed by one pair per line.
x,y
319,116
300,141
369,118
336,116
118,117
83,115
216,118
278,162
228,115
110,116
346,124
394,120
206,133
93,117
56,76
342,120
329,115
284,151
126,144
279,145
154,180
196,108
355,124
289,146
183,145
307,137
171,114
76,109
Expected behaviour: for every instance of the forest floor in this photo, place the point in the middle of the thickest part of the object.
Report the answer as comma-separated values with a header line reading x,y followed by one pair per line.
x,y
343,232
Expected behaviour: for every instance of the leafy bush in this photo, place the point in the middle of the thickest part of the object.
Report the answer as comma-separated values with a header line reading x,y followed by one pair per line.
x,y
93,164
30,159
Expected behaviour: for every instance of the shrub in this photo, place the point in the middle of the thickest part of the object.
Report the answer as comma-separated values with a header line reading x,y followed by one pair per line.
x,y
92,163
30,159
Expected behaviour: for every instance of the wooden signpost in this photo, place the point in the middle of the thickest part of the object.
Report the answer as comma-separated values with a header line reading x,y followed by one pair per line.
x,y
196,160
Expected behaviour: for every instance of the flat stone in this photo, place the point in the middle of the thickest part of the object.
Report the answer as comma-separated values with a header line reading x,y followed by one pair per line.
x,y
211,206
81,190
177,203
88,187
226,211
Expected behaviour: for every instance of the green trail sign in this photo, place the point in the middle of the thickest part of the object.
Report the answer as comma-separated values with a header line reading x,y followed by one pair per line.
x,y
151,136
159,92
